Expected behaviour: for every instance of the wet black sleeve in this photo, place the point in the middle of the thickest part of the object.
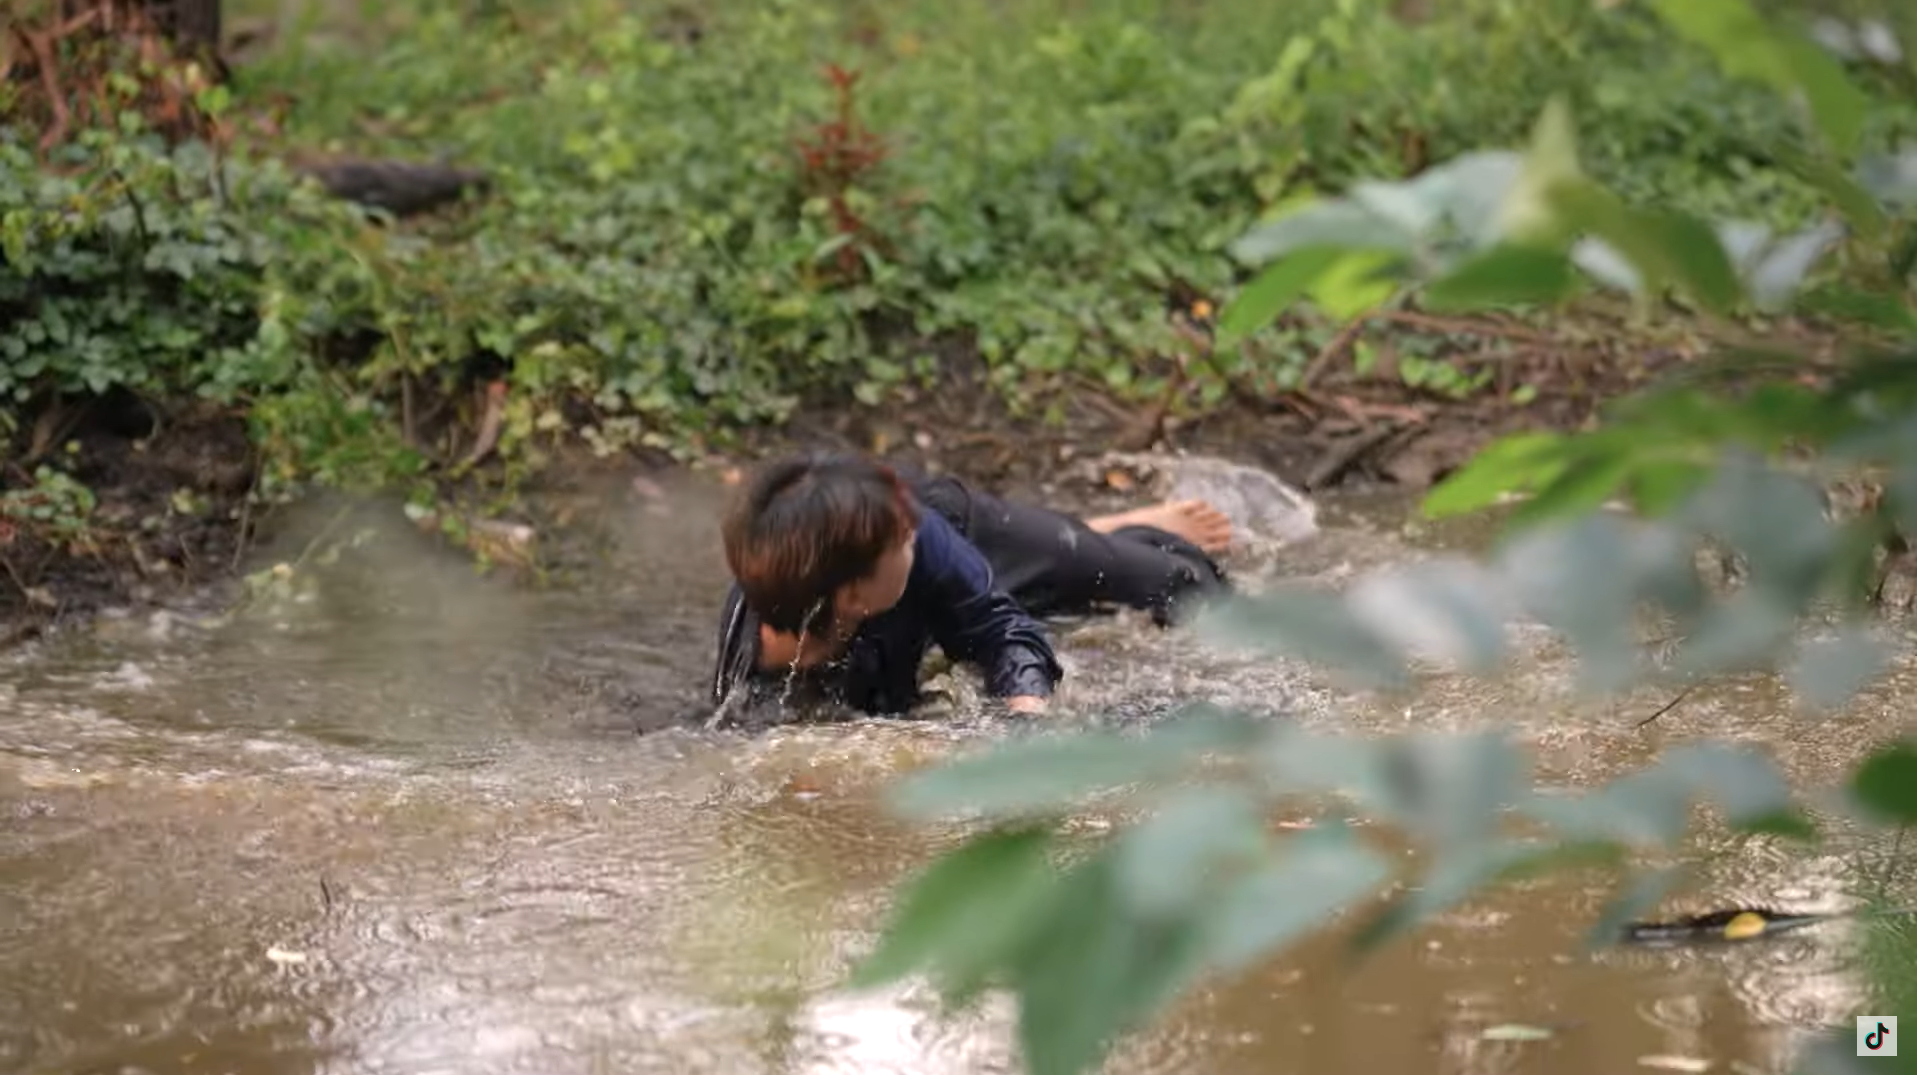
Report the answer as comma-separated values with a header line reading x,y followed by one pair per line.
x,y
974,621
738,657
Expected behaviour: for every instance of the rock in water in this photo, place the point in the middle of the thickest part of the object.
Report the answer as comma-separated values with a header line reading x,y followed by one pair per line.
x,y
1262,508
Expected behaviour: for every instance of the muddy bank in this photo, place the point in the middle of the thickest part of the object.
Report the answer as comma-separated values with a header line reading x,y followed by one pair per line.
x,y
177,506
1343,429
110,503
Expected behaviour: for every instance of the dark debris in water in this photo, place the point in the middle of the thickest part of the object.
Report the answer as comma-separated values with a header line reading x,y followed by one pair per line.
x,y
1731,926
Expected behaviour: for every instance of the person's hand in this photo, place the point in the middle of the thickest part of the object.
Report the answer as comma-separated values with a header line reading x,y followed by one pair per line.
x,y
1026,703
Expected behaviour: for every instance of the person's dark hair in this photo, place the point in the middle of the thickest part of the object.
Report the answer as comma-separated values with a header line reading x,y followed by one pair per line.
x,y
806,526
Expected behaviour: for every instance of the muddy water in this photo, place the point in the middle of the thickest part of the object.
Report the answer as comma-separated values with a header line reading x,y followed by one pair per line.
x,y
402,824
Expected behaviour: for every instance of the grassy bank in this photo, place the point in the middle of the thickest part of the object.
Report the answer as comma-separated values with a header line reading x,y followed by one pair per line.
x,y
702,215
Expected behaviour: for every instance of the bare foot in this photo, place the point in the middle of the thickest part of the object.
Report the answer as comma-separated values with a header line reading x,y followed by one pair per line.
x,y
1194,520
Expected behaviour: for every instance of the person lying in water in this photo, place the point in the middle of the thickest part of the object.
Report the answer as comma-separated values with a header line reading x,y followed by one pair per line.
x,y
846,573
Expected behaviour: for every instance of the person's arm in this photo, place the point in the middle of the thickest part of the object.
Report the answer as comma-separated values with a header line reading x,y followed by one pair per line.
x,y
737,663
973,621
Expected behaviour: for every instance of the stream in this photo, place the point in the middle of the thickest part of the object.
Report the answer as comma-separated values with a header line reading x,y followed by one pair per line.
x,y
404,825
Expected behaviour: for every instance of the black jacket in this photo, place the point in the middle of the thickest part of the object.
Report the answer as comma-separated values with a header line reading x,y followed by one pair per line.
x,y
950,599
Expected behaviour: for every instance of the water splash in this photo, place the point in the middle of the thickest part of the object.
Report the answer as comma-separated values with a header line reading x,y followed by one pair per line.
x,y
798,651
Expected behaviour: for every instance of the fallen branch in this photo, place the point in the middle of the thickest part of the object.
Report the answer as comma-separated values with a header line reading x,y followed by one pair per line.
x,y
491,423
1666,707
1339,344
1347,454
399,187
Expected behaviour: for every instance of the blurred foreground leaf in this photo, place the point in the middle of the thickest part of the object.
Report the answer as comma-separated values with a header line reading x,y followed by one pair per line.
x,y
1830,671
1046,774
964,916
1886,784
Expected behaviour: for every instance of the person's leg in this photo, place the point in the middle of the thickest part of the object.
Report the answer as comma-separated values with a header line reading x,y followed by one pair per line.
x,y
1052,563
1194,520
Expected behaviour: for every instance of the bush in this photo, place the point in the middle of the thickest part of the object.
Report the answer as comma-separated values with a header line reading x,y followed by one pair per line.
x,y
694,230
175,272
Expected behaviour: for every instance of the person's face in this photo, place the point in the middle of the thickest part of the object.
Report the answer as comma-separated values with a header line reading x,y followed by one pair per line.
x,y
880,590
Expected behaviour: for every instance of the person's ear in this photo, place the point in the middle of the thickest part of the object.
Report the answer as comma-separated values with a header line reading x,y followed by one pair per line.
x,y
846,603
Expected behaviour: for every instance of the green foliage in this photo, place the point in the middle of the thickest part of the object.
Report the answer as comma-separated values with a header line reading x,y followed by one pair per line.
x,y
1199,886
54,508
106,288
1700,465
1886,785
175,272
1509,229
687,235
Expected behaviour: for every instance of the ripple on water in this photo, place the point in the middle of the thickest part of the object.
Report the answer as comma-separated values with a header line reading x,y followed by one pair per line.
x,y
124,941
634,918
900,1031
386,789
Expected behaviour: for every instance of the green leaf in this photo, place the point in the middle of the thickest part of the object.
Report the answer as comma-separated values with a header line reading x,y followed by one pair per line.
x,y
1648,807
1453,789
1315,875
1828,672
1310,625
963,918
1665,247
1199,728
1504,275
1791,824
1356,283
1878,310
1464,196
1583,486
1741,634
1660,488
1747,47
1340,225
1691,255
1885,785
1275,289
1839,106
1776,520
1043,774
1508,465
1742,782
1454,878
1093,971
1889,178
1447,607
1778,275
1296,760
1458,875
1852,197
1166,862
1603,263
1529,213
1584,578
